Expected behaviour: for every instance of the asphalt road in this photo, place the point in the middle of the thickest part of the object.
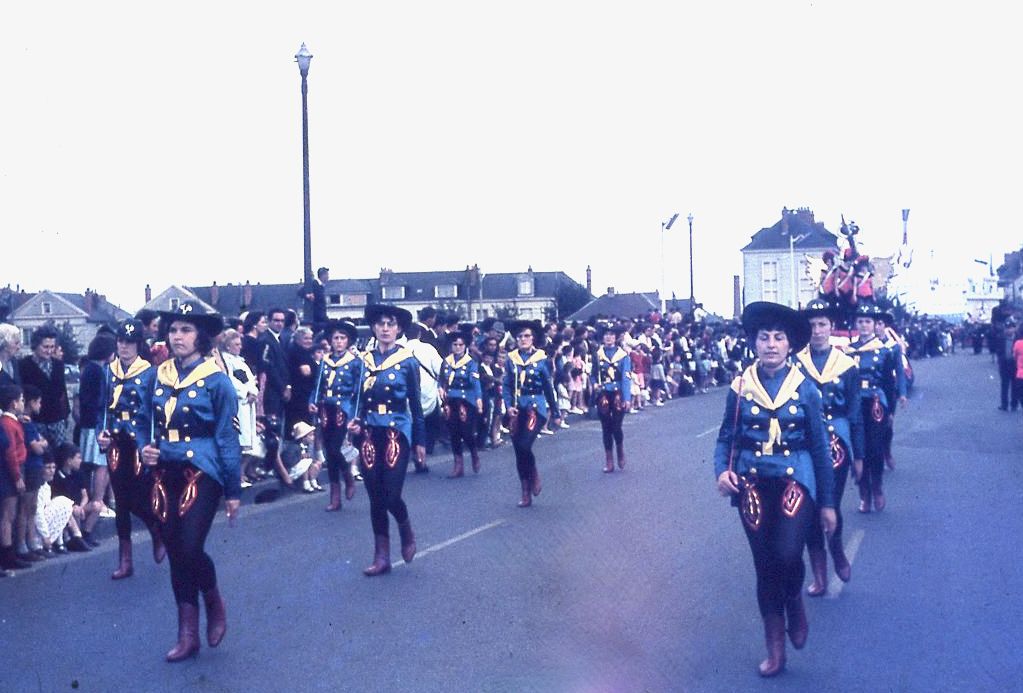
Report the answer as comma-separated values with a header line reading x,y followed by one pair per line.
x,y
633,581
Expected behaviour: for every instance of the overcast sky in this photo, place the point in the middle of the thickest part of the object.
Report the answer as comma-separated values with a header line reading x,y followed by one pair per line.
x,y
162,144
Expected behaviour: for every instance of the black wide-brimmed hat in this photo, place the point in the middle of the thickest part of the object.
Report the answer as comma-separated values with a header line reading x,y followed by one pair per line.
x,y
764,314
604,329
131,330
464,332
819,308
209,321
375,310
539,338
885,314
865,309
344,326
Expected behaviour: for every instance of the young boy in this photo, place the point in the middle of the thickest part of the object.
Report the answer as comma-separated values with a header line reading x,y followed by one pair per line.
x,y
70,482
26,539
12,482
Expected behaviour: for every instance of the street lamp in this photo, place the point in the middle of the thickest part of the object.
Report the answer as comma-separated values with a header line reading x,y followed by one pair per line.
x,y
692,296
303,57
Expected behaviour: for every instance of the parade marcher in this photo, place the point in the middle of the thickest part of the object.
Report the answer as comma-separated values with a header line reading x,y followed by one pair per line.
x,y
612,384
333,401
877,367
772,458
196,455
461,396
836,376
529,400
125,428
389,422
883,322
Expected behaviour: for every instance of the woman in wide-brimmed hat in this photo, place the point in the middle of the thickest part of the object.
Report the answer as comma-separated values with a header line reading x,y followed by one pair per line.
x,y
612,386
878,385
124,430
389,423
333,400
461,396
529,400
196,455
772,458
836,376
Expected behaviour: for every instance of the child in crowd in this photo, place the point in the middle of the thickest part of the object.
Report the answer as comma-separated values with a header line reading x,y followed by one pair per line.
x,y
26,540
71,482
54,513
12,482
298,458
657,377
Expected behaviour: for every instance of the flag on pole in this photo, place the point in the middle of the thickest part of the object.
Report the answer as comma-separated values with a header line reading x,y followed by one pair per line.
x,y
672,221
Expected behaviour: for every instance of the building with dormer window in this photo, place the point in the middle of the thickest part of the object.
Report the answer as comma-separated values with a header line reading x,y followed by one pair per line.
x,y
774,262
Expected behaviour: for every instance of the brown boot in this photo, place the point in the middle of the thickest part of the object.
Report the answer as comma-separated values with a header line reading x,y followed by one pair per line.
x,y
620,447
188,633
774,635
527,497
609,461
879,500
335,497
349,482
459,470
216,617
864,499
159,549
536,487
124,566
408,540
843,569
381,557
798,627
819,567
475,455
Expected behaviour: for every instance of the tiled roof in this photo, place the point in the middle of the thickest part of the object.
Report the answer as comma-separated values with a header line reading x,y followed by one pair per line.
x,y
264,297
624,306
797,224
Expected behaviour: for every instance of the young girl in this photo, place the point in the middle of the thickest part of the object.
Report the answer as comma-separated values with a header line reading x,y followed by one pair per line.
x,y
53,513
657,378
12,482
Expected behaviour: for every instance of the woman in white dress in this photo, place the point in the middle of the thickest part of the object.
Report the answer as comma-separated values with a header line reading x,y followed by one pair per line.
x,y
245,386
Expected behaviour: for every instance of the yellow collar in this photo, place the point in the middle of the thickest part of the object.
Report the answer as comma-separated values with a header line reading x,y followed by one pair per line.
x,y
345,358
167,374
391,361
837,364
138,366
536,357
872,344
615,358
450,360
753,389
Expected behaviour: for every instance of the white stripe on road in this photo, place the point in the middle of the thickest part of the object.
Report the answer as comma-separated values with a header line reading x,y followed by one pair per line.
x,y
707,432
453,540
836,585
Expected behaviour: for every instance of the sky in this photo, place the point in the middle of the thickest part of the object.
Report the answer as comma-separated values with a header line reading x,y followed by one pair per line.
x,y
162,144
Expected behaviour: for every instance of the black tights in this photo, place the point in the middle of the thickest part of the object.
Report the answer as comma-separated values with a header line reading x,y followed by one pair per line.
x,y
185,528
333,424
383,465
815,539
130,484
874,434
612,413
776,538
462,422
524,429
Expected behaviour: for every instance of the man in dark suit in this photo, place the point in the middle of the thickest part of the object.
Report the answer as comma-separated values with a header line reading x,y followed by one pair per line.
x,y
274,384
427,322
314,309
47,373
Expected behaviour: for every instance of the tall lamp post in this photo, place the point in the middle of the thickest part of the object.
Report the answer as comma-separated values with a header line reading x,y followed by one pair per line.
x,y
303,57
692,295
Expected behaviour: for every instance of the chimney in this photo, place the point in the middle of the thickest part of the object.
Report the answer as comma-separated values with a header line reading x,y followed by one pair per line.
x,y
247,294
149,293
589,280
610,291
214,294
784,221
90,301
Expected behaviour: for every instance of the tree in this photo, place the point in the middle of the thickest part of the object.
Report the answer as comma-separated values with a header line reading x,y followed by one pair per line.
x,y
570,297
